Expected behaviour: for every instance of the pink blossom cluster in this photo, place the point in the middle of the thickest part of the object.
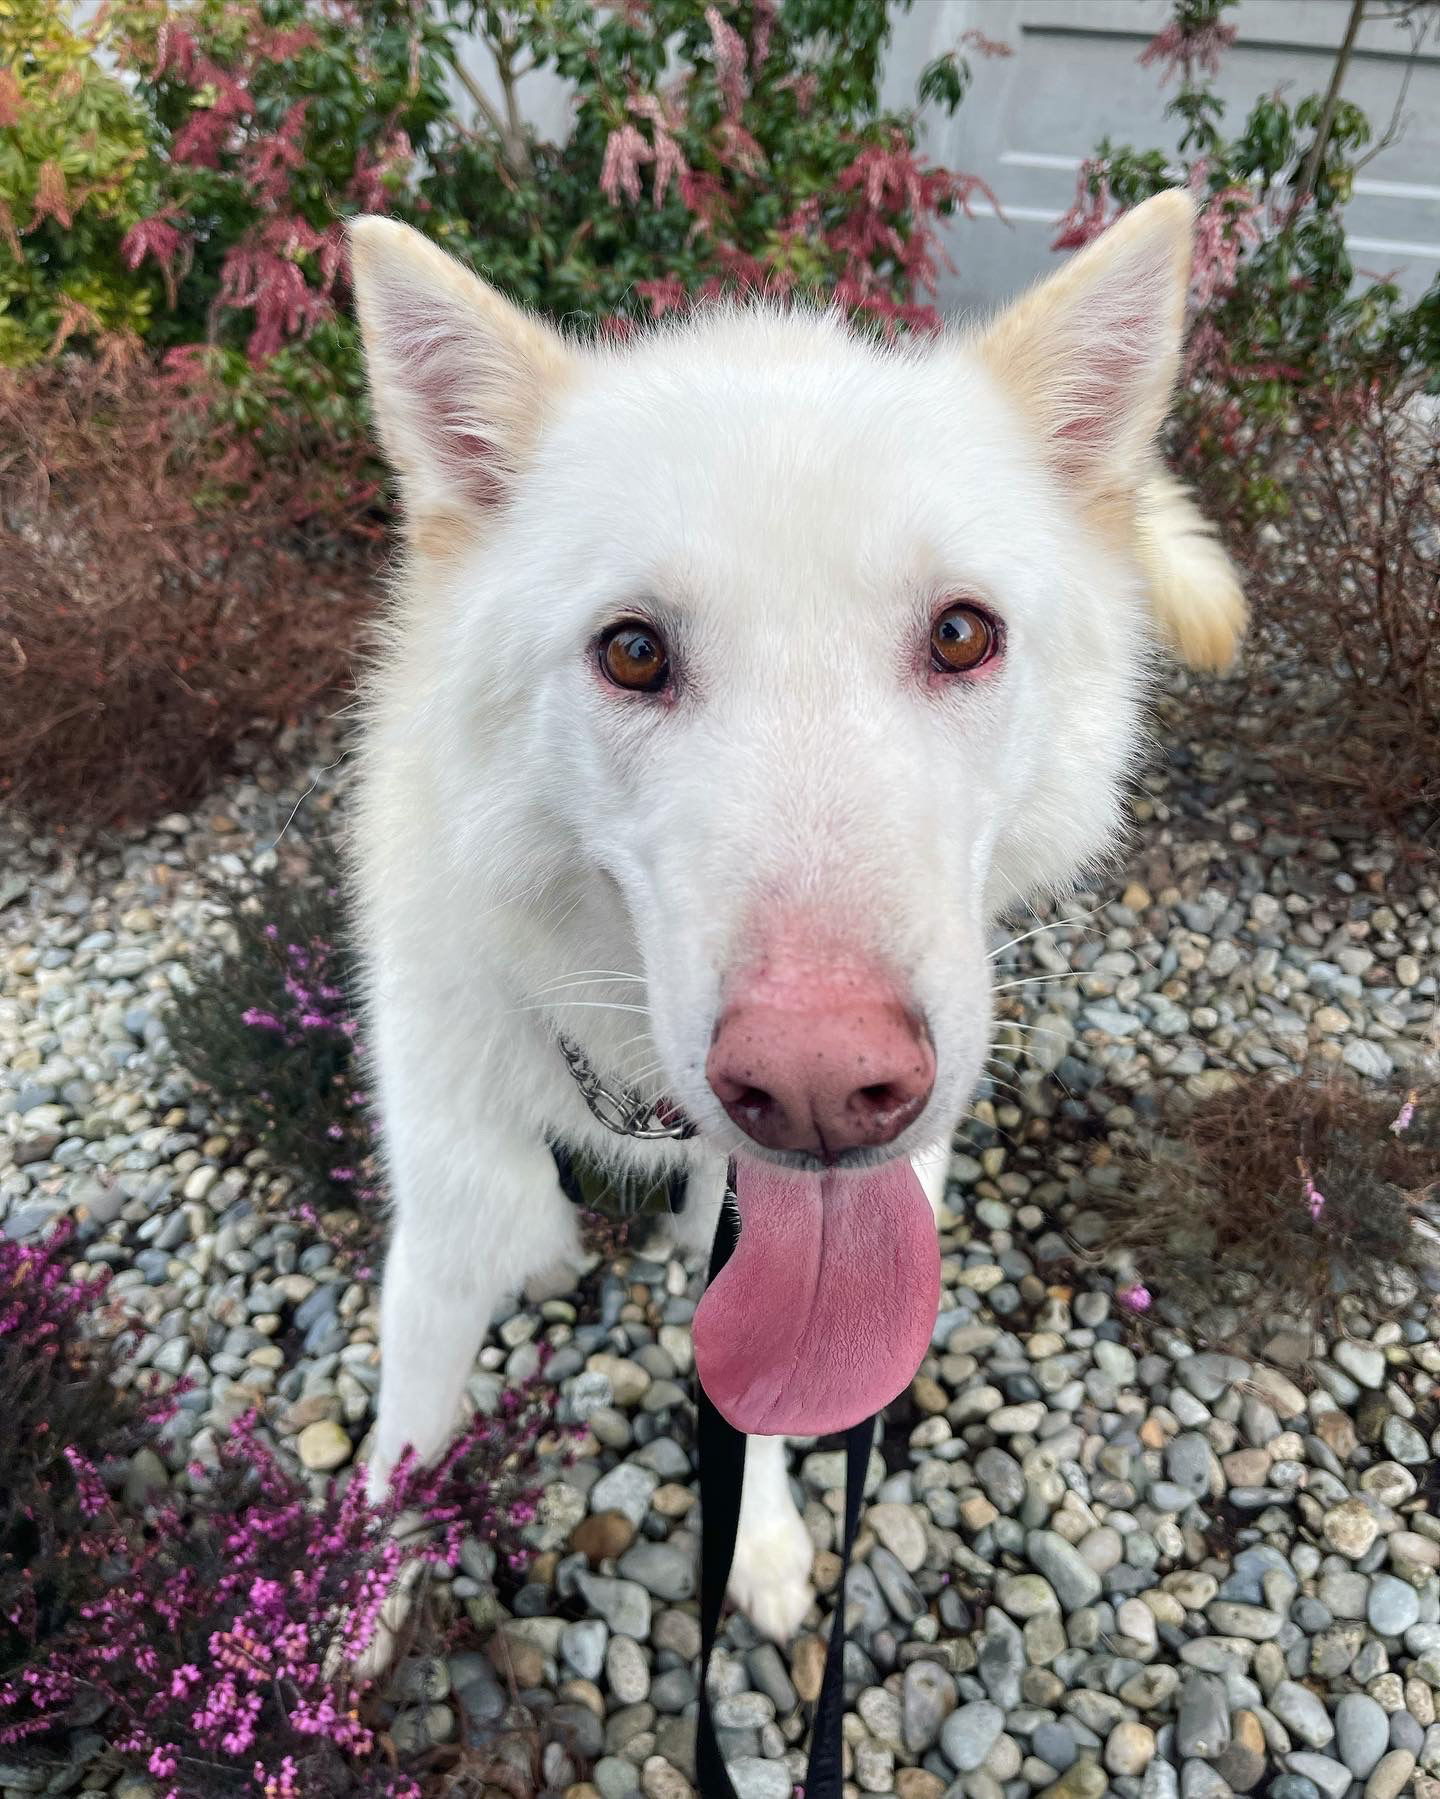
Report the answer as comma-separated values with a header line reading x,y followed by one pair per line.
x,y
1181,51
283,271
880,221
229,1630
1313,1197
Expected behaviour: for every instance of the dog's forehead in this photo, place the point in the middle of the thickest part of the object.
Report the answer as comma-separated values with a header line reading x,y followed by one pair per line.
x,y
757,395
762,434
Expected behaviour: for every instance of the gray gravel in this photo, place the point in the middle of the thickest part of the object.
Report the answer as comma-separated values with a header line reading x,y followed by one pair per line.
x,y
1097,1558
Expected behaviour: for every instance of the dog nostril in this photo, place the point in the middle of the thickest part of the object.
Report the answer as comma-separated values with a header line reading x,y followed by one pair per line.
x,y
751,1099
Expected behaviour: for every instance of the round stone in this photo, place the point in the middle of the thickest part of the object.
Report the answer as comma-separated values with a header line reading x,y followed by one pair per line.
x,y
1391,1775
1130,1748
627,1670
900,1530
323,1445
1362,1733
927,1699
1350,1528
1392,1605
1302,1714
969,1733
602,1535
1075,1582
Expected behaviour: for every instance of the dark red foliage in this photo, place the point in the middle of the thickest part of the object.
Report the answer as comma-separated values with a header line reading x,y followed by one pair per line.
x,y
1286,1197
1345,585
167,588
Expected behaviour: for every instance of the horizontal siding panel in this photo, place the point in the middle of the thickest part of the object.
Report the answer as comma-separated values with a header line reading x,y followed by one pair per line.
x,y
1074,78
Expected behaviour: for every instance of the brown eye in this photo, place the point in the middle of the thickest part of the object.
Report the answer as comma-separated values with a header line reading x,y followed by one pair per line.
x,y
961,639
634,656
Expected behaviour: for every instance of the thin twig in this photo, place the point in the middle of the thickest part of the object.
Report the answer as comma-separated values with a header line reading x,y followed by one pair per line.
x,y
1310,173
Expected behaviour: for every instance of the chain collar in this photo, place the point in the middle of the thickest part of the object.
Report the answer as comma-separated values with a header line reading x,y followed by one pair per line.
x,y
624,1113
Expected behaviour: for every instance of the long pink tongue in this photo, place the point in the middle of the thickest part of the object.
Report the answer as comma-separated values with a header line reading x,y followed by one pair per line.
x,y
824,1311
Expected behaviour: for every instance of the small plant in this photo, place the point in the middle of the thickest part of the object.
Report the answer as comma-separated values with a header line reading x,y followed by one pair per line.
x,y
1285,1198
168,589
62,1417
75,152
270,1030
1347,584
214,1637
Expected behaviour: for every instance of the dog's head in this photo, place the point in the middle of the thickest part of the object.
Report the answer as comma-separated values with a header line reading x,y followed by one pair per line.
x,y
820,651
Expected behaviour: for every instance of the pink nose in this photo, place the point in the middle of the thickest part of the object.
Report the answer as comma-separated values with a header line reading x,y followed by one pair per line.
x,y
838,1064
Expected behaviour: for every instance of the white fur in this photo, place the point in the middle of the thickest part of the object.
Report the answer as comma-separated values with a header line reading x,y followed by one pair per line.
x,y
791,501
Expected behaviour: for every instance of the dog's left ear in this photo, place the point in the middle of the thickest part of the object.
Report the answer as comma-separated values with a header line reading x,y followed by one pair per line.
x,y
1091,355
1091,358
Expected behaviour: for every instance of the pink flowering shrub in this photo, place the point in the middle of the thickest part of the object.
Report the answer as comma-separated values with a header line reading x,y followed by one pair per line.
x,y
1284,334
271,122
177,173
1282,1197
213,1637
734,147
224,1643
61,1412
270,1030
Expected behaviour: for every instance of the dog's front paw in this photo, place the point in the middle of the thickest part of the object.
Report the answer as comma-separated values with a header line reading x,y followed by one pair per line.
x,y
366,1659
770,1577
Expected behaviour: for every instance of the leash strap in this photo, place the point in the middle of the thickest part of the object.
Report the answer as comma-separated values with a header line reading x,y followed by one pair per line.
x,y
722,1473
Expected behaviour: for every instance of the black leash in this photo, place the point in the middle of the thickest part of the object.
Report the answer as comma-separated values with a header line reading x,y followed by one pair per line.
x,y
722,1472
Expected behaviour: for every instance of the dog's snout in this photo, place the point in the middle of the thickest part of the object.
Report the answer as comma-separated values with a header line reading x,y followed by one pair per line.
x,y
840,1064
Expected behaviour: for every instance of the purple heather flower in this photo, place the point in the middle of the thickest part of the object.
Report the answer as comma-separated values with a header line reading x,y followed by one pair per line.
x,y
1136,1297
88,1484
1314,1198
1406,1115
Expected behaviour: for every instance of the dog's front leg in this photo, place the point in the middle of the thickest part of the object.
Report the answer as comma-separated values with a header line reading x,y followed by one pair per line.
x,y
933,1172
770,1576
475,1219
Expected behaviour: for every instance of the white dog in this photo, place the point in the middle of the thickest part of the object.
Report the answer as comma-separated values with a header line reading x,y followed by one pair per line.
x,y
739,676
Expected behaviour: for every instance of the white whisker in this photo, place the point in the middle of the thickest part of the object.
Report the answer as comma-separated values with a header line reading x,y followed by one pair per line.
x,y
1038,980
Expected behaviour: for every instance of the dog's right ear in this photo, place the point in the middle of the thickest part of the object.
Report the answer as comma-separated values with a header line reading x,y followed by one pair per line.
x,y
459,378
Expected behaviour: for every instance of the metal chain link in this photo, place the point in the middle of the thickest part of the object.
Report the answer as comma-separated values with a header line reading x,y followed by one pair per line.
x,y
624,1113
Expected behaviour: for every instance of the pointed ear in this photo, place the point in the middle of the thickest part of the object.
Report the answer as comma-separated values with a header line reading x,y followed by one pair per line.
x,y
460,379
1092,354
